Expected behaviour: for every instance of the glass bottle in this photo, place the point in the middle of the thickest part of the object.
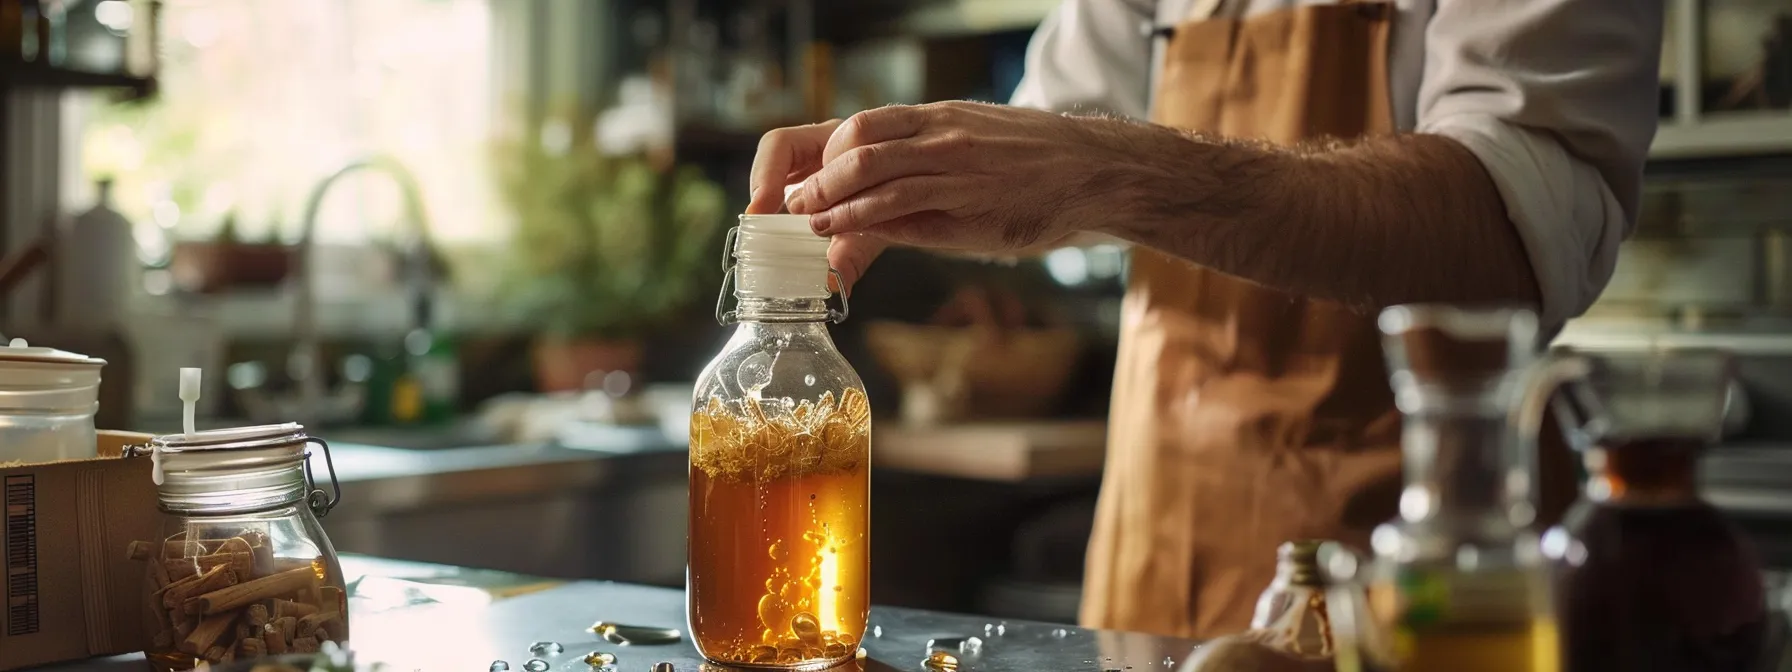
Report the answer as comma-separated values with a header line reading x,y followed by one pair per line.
x,y
241,568
779,555
1458,582
1290,628
1649,575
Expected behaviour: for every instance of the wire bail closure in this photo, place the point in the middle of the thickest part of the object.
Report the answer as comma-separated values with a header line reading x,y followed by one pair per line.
x,y
320,503
730,268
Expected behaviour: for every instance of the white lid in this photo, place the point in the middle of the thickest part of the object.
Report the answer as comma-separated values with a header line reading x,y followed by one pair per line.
x,y
780,257
19,351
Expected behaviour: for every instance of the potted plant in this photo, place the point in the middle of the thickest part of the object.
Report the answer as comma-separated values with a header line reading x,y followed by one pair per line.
x,y
606,249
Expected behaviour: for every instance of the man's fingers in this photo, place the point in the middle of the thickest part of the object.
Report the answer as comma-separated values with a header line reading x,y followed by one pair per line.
x,y
864,168
851,255
883,124
884,202
930,229
784,155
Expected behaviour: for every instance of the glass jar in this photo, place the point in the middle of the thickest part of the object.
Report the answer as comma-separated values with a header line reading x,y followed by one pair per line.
x,y
1648,574
47,401
1458,581
779,556
241,568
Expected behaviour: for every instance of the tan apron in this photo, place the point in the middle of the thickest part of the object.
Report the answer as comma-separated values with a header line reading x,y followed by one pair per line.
x,y
1242,416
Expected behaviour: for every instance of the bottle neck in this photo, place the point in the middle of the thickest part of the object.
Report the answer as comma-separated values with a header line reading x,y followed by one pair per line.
x,y
1463,466
234,491
782,310
1644,473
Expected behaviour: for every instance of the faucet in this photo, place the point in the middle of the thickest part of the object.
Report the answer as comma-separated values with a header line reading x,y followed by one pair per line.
x,y
305,363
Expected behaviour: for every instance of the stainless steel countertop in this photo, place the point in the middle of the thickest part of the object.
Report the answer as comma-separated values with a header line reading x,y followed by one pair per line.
x,y
467,628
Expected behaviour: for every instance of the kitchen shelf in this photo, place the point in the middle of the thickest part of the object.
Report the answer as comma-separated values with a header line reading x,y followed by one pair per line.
x,y
1728,134
32,75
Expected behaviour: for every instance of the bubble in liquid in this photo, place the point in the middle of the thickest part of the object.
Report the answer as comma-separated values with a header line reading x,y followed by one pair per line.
x,y
536,665
1168,661
941,661
774,612
834,651
777,551
545,649
499,666
755,373
806,628
809,379
877,631
1060,633
600,658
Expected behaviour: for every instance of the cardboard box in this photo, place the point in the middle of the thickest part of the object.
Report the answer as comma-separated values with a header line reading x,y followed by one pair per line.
x,y
71,592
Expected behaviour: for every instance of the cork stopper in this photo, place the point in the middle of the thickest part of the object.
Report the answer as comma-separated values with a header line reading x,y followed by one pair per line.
x,y
1297,563
1429,344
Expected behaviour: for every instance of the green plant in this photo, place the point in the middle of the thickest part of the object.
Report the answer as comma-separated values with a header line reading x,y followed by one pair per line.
x,y
605,247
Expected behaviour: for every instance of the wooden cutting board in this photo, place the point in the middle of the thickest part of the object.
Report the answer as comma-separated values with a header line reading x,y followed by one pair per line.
x,y
994,451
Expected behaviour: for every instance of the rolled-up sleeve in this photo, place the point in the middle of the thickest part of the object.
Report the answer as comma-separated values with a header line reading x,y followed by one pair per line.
x,y
1557,98
1090,56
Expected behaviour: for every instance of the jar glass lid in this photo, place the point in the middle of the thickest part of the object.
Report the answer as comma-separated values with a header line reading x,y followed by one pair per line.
x,y
18,350
256,436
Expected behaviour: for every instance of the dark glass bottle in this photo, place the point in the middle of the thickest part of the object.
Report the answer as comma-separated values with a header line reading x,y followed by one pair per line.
x,y
1649,575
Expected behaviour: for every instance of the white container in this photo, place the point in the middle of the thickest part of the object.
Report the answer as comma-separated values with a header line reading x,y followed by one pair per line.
x,y
47,401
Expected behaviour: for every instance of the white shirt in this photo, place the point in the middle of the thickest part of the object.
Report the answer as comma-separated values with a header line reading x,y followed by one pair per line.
x,y
1556,97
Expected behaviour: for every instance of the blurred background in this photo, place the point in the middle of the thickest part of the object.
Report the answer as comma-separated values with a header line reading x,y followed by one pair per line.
x,y
476,244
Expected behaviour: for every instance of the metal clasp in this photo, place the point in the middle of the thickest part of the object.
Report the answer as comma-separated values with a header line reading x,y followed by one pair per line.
x,y
315,496
726,317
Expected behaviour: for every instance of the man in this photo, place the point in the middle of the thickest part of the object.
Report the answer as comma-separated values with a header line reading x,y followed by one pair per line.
x,y
1307,164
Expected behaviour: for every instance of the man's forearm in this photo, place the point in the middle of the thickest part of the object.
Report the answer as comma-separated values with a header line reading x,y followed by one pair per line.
x,y
1383,221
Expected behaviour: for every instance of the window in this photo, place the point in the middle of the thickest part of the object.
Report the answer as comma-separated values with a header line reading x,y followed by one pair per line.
x,y
260,99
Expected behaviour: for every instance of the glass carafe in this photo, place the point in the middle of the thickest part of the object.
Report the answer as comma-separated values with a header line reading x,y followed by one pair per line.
x,y
241,569
1649,575
779,550
1457,582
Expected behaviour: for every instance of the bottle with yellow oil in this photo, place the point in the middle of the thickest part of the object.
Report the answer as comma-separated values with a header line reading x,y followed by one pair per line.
x,y
779,554
1457,583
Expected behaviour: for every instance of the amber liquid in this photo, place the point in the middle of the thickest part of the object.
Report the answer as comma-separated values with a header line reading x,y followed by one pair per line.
x,y
779,551
1665,582
1492,647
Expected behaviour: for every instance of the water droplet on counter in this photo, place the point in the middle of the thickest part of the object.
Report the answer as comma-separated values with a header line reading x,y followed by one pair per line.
x,y
809,379
664,666
600,658
1060,633
971,646
536,665
545,649
1001,629
944,644
877,631
640,635
941,661
499,666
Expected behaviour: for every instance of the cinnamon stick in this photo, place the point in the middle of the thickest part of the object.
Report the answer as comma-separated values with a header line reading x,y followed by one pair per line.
x,y
251,647
241,564
231,597
308,625
333,599
289,627
207,633
283,565
258,615
274,641
291,608
158,573
305,645
184,627
219,577
162,639
181,568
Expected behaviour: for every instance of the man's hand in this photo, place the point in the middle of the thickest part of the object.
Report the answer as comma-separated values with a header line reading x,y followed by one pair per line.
x,y
956,175
789,155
